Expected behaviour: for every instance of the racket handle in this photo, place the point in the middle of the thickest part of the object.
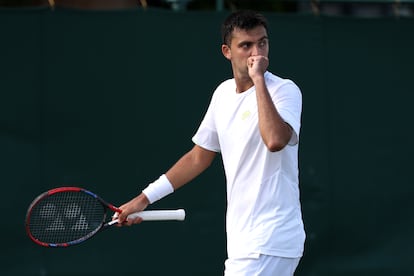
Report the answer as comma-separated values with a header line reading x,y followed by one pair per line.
x,y
178,214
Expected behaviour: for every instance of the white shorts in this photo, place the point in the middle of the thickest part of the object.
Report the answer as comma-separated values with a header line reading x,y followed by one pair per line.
x,y
261,265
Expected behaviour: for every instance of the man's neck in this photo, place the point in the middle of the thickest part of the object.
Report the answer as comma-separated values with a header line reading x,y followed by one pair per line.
x,y
243,83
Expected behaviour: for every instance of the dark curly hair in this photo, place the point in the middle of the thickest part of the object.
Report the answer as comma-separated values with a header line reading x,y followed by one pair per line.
x,y
245,20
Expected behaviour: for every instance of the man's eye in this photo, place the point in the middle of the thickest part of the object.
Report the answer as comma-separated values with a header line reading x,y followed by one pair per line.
x,y
246,45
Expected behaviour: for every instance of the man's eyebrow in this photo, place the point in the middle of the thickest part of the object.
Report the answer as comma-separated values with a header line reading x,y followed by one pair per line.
x,y
265,37
244,42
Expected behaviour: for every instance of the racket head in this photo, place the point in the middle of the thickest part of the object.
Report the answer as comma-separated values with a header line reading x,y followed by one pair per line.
x,y
65,216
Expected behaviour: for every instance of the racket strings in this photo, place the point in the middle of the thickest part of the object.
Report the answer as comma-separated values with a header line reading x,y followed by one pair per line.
x,y
65,217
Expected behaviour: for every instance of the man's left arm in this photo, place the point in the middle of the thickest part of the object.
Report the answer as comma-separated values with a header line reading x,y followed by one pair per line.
x,y
275,132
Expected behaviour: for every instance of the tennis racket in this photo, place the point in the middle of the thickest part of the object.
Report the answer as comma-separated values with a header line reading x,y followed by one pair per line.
x,y
67,216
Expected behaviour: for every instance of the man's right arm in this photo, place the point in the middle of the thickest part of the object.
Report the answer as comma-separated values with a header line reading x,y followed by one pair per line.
x,y
189,166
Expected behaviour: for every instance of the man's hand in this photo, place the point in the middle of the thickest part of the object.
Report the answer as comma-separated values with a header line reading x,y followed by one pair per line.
x,y
257,66
137,204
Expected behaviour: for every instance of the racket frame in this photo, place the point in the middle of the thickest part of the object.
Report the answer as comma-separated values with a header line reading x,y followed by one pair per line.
x,y
51,192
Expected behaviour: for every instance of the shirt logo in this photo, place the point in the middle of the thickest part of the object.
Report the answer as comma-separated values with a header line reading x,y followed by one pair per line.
x,y
246,115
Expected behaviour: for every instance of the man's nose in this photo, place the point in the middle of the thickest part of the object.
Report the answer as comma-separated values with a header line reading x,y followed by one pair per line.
x,y
256,50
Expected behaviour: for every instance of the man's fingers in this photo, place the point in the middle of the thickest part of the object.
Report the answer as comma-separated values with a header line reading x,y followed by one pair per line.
x,y
123,220
120,217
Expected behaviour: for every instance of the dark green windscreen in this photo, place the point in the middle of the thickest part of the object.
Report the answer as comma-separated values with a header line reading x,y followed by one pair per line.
x,y
110,100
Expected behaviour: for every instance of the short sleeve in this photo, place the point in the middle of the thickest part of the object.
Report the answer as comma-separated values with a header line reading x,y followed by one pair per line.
x,y
288,102
206,135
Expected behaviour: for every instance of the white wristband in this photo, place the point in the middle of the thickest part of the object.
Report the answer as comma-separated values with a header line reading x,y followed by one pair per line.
x,y
158,189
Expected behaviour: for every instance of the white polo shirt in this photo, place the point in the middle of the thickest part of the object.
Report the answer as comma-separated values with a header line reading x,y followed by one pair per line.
x,y
263,207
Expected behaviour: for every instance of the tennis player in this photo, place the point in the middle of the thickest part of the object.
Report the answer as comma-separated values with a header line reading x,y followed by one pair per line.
x,y
253,120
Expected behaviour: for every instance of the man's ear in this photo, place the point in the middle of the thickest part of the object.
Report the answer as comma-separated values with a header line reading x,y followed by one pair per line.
x,y
226,51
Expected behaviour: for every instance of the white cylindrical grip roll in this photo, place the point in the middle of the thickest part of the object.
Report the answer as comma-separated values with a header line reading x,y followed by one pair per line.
x,y
178,214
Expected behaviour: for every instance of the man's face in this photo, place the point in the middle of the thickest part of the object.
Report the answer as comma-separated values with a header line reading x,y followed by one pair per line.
x,y
246,43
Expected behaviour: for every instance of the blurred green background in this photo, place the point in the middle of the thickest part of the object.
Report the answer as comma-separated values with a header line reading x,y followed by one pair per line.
x,y
109,100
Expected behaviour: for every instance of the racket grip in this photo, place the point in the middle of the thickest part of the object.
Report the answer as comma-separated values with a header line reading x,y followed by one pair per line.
x,y
178,214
